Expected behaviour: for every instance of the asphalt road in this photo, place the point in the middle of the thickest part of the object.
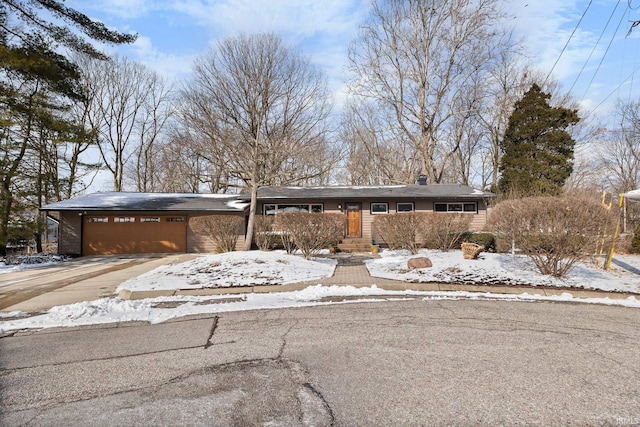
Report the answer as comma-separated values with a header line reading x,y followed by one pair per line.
x,y
366,364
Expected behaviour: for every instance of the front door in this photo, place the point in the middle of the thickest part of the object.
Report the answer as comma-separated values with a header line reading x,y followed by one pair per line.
x,y
353,220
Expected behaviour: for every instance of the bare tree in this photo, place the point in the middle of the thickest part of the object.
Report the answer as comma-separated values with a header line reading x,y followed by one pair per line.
x,y
261,106
374,156
415,60
618,152
128,106
504,84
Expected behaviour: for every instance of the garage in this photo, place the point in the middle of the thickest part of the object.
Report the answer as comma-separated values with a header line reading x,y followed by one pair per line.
x,y
130,234
139,223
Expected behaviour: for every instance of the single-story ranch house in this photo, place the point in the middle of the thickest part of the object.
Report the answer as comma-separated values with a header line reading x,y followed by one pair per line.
x,y
125,223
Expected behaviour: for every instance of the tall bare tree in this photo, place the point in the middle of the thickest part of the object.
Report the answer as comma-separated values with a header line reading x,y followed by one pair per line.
x,y
415,59
618,152
128,105
262,106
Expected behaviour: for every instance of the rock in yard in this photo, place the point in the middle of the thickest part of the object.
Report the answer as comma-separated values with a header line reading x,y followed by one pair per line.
x,y
419,262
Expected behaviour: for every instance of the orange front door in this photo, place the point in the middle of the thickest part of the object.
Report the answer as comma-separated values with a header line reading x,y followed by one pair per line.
x,y
353,220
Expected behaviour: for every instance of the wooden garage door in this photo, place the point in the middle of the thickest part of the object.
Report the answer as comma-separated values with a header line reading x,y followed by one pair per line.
x,y
128,234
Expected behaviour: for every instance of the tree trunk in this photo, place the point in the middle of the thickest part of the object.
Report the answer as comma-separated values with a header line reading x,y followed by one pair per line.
x,y
252,216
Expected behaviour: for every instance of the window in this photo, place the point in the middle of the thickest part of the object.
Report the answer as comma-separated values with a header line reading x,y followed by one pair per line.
x,y
404,207
124,219
97,219
150,219
471,207
270,209
175,219
379,208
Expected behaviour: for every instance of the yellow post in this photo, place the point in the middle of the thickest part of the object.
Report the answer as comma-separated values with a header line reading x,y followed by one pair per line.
x,y
615,235
602,234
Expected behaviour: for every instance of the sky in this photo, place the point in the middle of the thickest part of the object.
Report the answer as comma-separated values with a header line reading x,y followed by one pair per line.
x,y
598,64
582,44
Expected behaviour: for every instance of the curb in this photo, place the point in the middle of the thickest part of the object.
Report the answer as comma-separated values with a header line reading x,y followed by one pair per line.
x,y
399,286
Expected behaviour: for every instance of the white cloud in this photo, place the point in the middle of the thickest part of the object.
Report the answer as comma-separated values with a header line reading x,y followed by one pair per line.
x,y
169,65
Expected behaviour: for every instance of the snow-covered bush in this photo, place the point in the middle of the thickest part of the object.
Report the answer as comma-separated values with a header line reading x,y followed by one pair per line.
x,y
223,230
555,232
311,232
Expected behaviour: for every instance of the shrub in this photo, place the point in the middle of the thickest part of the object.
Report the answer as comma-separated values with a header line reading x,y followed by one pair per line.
x,y
555,232
634,247
264,235
224,230
400,231
414,230
311,232
445,230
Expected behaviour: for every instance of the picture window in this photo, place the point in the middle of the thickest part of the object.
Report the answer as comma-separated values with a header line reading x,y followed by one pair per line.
x,y
456,207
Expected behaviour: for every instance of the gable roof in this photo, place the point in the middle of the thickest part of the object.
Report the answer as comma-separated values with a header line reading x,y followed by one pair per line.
x,y
407,192
124,201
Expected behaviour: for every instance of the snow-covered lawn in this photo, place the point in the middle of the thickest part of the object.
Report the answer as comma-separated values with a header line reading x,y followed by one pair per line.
x,y
504,269
233,269
15,263
274,268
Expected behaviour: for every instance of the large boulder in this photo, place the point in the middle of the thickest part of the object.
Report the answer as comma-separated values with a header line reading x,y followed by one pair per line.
x,y
419,262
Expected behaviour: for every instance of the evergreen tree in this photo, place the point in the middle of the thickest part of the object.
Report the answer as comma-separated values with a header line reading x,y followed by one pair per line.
x,y
37,81
537,149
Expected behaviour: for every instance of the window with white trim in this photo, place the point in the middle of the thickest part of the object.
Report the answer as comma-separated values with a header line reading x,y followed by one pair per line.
x,y
404,207
467,207
378,208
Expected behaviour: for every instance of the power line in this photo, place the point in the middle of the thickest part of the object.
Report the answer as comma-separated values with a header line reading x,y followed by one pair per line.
x,y
603,56
616,88
595,46
567,44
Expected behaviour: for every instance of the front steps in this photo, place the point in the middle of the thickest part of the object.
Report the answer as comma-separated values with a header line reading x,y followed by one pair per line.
x,y
352,244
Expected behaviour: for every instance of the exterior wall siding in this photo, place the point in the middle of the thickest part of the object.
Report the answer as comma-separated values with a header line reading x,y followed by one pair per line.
x,y
331,206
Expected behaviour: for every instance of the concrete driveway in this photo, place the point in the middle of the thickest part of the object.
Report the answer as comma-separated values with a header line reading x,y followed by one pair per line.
x,y
81,279
366,364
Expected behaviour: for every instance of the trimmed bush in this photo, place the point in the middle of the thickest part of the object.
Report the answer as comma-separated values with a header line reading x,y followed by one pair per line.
x,y
264,235
444,231
634,248
555,232
400,231
223,230
414,230
311,232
